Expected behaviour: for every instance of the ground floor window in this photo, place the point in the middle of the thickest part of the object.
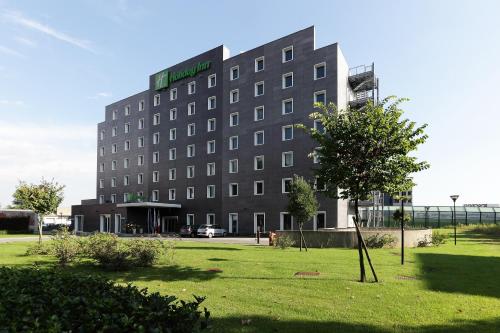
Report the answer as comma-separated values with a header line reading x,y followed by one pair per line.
x,y
286,221
78,222
259,222
210,218
190,219
321,220
233,223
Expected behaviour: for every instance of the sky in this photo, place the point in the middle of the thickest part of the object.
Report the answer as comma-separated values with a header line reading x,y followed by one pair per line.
x,y
62,62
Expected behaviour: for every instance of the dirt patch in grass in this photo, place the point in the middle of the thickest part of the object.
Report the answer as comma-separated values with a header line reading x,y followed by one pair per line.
x,y
307,274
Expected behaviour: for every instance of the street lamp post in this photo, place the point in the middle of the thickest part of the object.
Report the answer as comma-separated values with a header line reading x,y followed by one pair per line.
x,y
427,216
402,232
454,198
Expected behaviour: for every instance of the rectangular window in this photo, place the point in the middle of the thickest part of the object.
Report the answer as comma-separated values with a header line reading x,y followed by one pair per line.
x,y
114,148
156,100
210,191
234,73
287,159
101,199
258,187
258,138
113,198
191,129
140,178
172,154
234,119
156,176
156,119
212,80
233,166
101,151
287,132
211,147
102,135
211,103
258,162
190,219
259,88
211,169
259,113
171,194
126,180
191,108
126,145
173,94
101,167
101,183
173,114
211,125
127,110
114,114
156,157
287,80
287,53
286,221
211,218
141,105
234,96
191,87
140,125
172,174
140,142
190,193
319,185
113,165
233,143
155,195
287,106
233,189
319,71
127,127
190,150
316,155
320,97
259,64
173,134
156,138
114,130
140,160
286,184
125,197
318,125
190,171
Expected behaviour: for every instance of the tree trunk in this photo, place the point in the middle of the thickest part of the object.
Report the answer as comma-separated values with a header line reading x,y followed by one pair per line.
x,y
40,221
302,239
360,243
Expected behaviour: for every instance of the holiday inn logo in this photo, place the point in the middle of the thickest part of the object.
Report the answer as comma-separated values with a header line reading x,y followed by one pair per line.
x,y
165,78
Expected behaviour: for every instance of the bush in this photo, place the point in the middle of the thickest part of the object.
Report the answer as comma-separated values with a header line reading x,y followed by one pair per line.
x,y
378,241
487,229
108,251
438,238
39,250
65,246
55,301
145,253
283,241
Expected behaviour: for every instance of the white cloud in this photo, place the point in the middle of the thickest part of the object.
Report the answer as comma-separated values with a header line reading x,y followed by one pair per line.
x,y
9,51
63,152
8,102
101,95
25,41
18,18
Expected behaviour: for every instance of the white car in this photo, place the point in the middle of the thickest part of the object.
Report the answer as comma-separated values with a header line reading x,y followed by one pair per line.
x,y
211,230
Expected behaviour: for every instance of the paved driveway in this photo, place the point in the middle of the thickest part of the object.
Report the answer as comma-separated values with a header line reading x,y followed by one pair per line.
x,y
22,239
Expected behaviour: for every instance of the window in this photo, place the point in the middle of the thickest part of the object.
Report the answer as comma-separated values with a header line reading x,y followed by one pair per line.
x,y
258,162
210,191
156,176
190,193
259,64
320,97
125,197
114,130
287,80
140,178
234,119
211,218
234,72
259,113
156,157
173,114
319,71
140,142
233,143
210,169
140,160
211,103
126,145
211,147
113,198
155,195
287,106
233,223
101,151
191,87
234,96
190,150
101,199
101,183
156,138
156,119
114,148
127,110
259,88
233,166
102,135
190,219
287,159
191,129
233,189
171,194
141,195
212,81
126,180
258,187
172,174
172,154
173,134
114,114
191,108
258,138
316,155
127,127
156,100
286,184
287,54
141,105
287,132
211,125
319,185
286,221
140,125
113,165
259,221
318,125
173,94
190,171
101,167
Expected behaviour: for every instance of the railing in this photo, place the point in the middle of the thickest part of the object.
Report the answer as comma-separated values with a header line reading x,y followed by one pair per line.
x,y
360,69
361,95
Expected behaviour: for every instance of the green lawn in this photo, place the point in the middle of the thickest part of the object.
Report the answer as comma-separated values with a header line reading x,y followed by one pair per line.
x,y
17,235
446,289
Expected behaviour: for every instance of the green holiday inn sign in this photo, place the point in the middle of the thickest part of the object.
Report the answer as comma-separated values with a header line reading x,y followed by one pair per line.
x,y
165,78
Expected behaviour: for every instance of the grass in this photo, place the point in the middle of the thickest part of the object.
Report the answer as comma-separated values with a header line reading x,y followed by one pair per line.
x,y
17,235
439,289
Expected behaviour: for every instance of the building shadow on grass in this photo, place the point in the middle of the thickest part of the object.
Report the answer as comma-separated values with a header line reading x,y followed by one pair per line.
x,y
208,247
473,275
275,325
170,273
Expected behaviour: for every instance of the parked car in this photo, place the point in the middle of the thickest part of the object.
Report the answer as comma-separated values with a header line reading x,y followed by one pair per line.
x,y
211,230
189,230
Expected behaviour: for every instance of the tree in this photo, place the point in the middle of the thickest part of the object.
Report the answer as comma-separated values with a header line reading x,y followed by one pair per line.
x,y
397,217
302,204
365,150
43,199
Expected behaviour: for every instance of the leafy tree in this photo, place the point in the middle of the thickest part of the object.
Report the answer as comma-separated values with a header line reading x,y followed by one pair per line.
x,y
397,217
43,199
302,204
365,150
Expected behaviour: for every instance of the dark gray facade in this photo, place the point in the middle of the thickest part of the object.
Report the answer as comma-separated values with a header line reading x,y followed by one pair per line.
x,y
246,206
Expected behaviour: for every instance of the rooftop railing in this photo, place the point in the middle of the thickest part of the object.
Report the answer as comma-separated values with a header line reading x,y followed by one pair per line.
x,y
360,69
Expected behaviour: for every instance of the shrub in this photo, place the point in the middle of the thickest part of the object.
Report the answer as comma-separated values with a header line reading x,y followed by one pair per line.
x,y
108,251
34,300
65,246
144,252
487,229
378,241
39,249
283,241
438,238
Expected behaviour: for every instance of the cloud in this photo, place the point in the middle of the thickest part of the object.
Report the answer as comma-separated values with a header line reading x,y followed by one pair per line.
x,y
101,95
64,152
9,51
7,102
18,18
25,41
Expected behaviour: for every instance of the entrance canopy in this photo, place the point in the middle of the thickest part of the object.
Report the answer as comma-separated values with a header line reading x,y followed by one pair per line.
x,y
148,204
